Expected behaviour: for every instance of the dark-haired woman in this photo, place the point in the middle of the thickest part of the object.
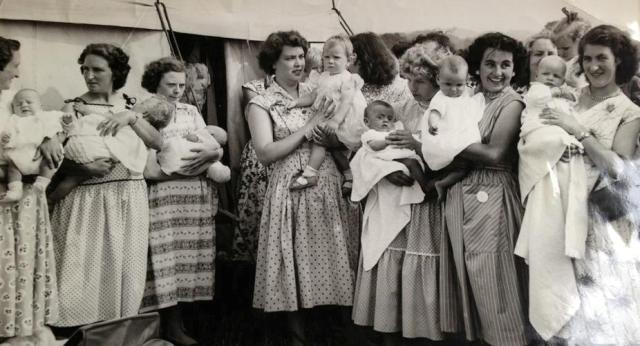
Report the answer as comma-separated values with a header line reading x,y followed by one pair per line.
x,y
182,210
483,211
28,292
378,68
308,239
101,228
607,124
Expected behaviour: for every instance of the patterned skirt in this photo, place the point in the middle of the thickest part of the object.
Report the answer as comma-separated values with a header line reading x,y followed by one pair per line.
x,y
181,242
251,190
100,234
308,245
401,294
28,292
483,215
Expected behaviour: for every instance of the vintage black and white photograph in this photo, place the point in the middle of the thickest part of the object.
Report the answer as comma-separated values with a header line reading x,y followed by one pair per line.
x,y
319,172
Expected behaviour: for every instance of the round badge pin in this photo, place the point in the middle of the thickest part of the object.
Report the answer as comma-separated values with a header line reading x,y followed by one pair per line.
x,y
482,196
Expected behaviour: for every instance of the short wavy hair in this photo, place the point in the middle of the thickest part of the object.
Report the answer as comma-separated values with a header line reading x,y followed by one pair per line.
x,y
571,26
621,46
7,47
117,59
272,48
421,61
155,70
437,36
378,66
542,35
497,41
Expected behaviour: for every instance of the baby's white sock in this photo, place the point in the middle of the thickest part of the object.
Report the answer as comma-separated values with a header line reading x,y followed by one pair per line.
x,y
14,193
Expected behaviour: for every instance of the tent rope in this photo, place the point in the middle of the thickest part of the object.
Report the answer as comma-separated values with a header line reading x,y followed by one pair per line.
x,y
343,22
163,15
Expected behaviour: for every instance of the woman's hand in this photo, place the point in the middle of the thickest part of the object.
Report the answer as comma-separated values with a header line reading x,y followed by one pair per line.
x,y
99,168
117,121
327,107
568,122
51,151
202,155
403,139
398,178
319,135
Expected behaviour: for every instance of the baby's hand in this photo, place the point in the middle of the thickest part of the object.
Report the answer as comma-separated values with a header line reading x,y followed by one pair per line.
x,y
81,108
331,127
5,138
191,137
292,104
67,118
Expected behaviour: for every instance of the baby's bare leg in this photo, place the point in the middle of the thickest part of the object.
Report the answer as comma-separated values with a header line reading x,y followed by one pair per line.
x,y
419,175
448,180
342,162
65,186
14,177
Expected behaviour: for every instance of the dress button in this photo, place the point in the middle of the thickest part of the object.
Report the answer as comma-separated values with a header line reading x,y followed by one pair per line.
x,y
482,196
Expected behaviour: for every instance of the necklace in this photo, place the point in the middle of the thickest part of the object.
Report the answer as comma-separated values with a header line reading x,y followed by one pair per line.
x,y
492,95
602,98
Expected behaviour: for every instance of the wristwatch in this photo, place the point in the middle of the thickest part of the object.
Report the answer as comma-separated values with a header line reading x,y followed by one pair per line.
x,y
583,135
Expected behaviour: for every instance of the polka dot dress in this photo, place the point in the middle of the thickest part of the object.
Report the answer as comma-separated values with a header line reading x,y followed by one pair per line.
x,y
101,237
308,243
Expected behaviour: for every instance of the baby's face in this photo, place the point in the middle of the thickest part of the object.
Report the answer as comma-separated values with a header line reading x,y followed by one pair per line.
x,y
26,103
335,59
380,118
551,74
452,84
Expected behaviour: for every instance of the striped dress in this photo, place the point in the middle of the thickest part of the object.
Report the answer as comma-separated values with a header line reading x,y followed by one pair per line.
x,y
482,216
181,265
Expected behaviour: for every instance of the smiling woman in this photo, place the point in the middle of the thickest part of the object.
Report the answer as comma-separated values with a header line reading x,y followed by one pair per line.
x,y
483,211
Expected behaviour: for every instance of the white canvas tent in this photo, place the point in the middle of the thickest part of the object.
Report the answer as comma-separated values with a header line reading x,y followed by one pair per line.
x,y
53,32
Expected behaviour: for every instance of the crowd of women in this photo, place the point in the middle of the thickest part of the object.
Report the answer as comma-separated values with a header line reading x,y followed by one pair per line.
x,y
124,242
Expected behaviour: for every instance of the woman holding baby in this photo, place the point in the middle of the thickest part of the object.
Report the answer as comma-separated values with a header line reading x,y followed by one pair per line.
x,y
101,226
401,293
28,292
182,205
604,304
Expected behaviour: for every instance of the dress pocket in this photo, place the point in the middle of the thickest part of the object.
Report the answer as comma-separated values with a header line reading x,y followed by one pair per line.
x,y
483,219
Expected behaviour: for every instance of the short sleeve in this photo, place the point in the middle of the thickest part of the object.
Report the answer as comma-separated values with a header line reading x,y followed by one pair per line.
x,y
438,103
372,135
358,82
630,114
538,95
198,120
260,101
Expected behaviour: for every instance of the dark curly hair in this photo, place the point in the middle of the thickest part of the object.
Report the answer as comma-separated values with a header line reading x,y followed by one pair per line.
x,y
272,48
377,63
7,47
117,59
621,47
497,41
155,70
436,36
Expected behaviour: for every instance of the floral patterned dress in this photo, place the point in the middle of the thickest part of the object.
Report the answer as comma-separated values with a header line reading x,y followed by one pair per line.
x,y
395,92
609,276
28,292
251,188
309,239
